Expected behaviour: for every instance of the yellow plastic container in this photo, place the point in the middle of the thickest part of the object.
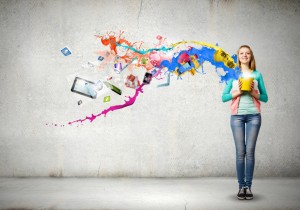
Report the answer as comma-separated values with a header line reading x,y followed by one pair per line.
x,y
246,83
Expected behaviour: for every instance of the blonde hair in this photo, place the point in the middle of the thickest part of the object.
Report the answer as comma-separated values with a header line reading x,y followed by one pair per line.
x,y
252,65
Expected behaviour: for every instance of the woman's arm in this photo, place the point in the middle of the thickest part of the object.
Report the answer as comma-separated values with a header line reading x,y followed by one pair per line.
x,y
226,96
262,95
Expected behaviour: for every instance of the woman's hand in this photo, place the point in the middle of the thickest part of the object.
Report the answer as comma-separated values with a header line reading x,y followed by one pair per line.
x,y
253,92
240,92
237,92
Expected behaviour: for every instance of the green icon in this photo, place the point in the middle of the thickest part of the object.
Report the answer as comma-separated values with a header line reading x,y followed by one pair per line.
x,y
144,61
106,99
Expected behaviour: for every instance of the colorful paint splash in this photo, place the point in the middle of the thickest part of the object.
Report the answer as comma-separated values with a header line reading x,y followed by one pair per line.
x,y
161,60
173,59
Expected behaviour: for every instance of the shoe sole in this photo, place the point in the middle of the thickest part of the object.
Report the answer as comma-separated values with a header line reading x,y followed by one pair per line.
x,y
241,198
249,198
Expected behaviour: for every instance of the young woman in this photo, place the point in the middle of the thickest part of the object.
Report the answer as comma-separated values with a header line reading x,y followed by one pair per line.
x,y
245,118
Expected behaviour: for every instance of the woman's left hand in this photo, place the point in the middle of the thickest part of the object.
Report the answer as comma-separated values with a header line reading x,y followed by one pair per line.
x,y
253,92
252,87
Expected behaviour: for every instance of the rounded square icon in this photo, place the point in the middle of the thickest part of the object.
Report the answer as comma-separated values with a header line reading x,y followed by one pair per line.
x,y
66,51
106,99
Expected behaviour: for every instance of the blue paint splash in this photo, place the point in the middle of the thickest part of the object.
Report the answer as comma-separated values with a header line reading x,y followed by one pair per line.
x,y
203,54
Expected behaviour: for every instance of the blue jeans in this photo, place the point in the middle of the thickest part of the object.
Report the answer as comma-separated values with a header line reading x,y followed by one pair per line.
x,y
245,127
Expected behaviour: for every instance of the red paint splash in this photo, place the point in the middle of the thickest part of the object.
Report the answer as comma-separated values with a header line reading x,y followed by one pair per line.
x,y
111,40
112,108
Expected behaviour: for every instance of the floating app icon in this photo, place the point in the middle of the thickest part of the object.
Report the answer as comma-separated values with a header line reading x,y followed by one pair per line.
x,y
106,99
147,78
144,61
66,51
99,85
154,71
132,81
113,88
118,67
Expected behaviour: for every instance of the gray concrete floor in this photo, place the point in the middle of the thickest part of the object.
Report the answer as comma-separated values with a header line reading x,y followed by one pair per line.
x,y
146,193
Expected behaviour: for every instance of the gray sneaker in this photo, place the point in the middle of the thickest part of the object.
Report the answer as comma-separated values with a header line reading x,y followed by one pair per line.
x,y
248,193
241,194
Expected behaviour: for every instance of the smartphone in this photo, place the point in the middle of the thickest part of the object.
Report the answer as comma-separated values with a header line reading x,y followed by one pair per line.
x,y
113,88
147,78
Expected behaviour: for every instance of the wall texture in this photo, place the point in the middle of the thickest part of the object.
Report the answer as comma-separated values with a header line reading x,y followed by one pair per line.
x,y
175,131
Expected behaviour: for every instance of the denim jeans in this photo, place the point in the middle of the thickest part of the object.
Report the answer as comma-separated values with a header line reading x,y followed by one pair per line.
x,y
245,127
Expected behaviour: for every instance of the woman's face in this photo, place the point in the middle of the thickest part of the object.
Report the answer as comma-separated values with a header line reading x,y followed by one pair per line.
x,y
244,55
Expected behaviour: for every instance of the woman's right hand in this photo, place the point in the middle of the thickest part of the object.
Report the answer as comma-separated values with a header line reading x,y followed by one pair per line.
x,y
240,92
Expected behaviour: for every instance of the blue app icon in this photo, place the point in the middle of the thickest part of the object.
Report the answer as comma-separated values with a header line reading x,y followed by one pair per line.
x,y
66,51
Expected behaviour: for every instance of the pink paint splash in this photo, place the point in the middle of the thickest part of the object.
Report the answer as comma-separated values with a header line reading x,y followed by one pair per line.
x,y
159,75
112,108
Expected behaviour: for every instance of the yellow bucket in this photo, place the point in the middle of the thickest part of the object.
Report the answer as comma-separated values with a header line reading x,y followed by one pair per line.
x,y
246,83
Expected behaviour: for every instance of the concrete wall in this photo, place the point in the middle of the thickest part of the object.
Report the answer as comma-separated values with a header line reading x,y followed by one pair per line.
x,y
180,130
